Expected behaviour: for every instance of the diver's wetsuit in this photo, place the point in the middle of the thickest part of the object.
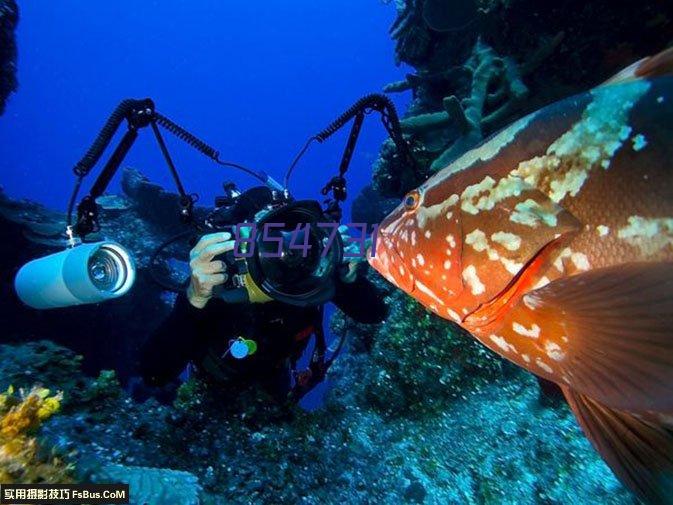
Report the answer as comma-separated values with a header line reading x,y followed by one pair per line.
x,y
281,331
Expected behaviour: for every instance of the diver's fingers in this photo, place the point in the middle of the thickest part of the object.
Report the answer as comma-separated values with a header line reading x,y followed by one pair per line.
x,y
214,267
206,240
216,249
206,282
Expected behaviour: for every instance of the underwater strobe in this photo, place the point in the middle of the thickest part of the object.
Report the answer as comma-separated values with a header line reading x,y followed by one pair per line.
x,y
85,273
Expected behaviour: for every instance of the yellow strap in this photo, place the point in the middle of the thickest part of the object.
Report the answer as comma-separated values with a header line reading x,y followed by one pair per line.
x,y
255,294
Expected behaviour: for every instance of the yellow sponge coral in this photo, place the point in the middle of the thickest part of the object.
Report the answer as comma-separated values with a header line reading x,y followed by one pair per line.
x,y
21,460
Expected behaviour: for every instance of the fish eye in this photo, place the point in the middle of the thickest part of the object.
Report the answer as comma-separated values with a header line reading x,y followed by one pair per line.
x,y
412,200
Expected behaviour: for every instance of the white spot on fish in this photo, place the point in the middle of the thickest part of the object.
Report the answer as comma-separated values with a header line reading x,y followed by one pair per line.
x,y
526,358
509,241
533,332
477,239
531,213
402,270
650,235
543,365
472,279
427,234
447,265
413,238
580,261
591,142
502,343
453,315
426,290
554,351
511,266
602,230
420,259
486,194
639,142
451,240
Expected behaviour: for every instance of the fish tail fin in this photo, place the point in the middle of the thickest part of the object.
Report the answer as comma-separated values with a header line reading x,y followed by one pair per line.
x,y
638,448
653,66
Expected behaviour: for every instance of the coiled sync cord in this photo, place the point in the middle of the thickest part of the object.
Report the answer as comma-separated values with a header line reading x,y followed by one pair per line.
x,y
365,105
140,113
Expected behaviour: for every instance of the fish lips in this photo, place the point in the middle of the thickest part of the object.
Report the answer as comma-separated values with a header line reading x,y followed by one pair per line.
x,y
386,260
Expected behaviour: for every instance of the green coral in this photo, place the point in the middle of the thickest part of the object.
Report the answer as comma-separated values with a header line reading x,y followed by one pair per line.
x,y
420,362
105,387
190,395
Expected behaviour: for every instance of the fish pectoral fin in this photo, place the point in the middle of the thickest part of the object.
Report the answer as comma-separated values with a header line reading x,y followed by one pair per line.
x,y
638,450
659,65
612,333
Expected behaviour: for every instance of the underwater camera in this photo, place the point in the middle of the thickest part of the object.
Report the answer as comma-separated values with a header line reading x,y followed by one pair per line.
x,y
267,259
266,220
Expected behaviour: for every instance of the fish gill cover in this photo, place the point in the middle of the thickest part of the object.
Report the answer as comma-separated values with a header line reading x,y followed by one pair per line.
x,y
417,411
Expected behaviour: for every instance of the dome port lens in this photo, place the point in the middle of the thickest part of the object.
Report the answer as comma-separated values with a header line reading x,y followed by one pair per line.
x,y
107,270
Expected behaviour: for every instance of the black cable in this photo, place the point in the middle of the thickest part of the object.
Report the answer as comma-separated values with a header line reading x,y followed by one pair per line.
x,y
366,104
102,140
202,147
73,199
187,137
288,174
176,288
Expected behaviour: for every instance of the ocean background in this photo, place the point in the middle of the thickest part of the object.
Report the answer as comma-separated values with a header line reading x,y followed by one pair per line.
x,y
253,79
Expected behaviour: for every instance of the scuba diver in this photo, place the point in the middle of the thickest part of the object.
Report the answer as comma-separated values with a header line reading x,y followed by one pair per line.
x,y
211,322
255,295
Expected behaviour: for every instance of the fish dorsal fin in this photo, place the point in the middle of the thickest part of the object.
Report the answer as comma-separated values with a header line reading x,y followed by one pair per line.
x,y
638,450
614,331
653,66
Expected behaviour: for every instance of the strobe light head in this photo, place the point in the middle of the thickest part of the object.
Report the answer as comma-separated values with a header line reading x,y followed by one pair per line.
x,y
86,273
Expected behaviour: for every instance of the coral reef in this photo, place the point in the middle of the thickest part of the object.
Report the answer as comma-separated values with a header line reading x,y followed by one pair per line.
x,y
479,65
9,17
22,459
489,440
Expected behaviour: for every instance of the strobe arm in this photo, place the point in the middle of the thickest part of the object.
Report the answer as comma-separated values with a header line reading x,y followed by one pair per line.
x,y
137,114
391,122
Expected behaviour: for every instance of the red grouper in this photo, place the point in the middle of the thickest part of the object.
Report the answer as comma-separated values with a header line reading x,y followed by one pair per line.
x,y
552,243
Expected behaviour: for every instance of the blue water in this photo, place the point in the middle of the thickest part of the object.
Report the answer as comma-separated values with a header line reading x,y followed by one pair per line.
x,y
254,79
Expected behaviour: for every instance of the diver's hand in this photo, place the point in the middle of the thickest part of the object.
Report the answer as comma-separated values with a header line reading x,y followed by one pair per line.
x,y
206,271
351,267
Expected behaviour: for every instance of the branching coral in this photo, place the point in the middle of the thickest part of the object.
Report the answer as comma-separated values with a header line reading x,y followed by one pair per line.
x,y
496,86
22,460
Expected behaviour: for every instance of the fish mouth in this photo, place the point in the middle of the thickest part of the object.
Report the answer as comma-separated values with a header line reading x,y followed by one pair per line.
x,y
387,261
